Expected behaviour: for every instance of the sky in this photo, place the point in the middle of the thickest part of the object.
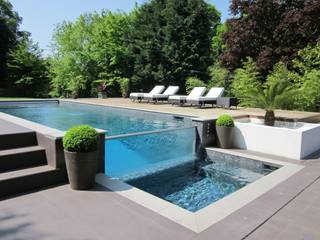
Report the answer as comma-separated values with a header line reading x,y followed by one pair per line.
x,y
41,16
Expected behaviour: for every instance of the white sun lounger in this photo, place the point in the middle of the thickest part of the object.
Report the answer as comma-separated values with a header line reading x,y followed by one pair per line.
x,y
171,90
139,95
181,99
210,98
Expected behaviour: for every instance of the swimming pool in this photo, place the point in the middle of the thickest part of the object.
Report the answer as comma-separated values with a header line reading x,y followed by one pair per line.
x,y
169,140
115,121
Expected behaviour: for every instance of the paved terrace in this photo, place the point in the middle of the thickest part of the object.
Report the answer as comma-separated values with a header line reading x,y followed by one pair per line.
x,y
291,210
207,112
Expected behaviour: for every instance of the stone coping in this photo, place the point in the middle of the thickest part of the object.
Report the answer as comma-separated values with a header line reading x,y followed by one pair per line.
x,y
208,216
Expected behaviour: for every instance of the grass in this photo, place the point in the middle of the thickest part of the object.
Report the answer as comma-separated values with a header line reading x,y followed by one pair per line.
x,y
14,98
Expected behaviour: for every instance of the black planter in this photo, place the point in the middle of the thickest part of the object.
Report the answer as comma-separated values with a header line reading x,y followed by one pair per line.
x,y
224,135
81,168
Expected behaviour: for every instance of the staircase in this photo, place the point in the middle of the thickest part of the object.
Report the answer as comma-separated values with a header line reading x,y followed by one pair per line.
x,y
23,164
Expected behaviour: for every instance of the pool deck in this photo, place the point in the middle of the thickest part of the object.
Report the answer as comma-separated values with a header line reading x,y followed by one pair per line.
x,y
291,210
207,112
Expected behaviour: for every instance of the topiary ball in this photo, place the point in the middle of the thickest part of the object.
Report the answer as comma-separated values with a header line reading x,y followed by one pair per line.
x,y
225,121
81,139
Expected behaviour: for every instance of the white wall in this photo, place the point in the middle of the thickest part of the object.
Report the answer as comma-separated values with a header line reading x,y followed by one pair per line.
x,y
290,143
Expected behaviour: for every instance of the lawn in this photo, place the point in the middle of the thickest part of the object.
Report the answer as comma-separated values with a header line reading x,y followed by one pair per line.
x,y
14,98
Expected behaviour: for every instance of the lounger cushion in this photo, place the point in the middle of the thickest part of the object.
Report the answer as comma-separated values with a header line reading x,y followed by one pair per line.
x,y
177,97
215,92
137,94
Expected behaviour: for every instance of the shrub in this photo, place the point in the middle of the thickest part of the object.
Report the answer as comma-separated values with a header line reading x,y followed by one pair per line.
x,y
124,86
193,82
81,139
225,121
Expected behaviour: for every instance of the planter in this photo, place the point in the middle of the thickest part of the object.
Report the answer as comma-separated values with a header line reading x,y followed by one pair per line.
x,y
296,143
81,168
102,95
224,135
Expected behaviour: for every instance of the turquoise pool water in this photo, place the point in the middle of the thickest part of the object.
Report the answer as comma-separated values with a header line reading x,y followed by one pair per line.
x,y
115,120
195,185
125,157
137,156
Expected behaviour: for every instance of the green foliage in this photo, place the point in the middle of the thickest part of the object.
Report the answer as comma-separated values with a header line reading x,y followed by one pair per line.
x,y
225,121
28,70
218,45
275,93
171,40
81,139
307,79
92,48
219,78
245,81
124,86
9,36
193,82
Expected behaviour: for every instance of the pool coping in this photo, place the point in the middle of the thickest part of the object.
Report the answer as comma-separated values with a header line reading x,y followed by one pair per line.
x,y
215,212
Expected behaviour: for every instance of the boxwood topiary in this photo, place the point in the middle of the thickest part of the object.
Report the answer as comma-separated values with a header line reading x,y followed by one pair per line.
x,y
81,139
225,121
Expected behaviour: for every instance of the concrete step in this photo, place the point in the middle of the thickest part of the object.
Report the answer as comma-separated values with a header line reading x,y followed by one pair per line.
x,y
17,158
29,179
17,140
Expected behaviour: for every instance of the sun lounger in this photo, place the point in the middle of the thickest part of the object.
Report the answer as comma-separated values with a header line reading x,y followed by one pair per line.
x,y
181,99
171,90
139,95
210,98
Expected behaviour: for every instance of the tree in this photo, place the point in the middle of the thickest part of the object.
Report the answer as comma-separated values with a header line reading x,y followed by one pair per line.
x,y
170,40
269,31
92,46
27,70
9,35
307,79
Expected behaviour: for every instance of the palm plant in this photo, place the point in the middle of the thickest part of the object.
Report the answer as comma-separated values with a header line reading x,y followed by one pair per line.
x,y
273,95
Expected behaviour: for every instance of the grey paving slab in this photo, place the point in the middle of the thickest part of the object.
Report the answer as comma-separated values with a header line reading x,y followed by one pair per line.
x,y
298,220
10,128
60,213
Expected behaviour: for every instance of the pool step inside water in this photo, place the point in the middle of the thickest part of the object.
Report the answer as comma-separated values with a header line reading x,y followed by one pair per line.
x,y
23,163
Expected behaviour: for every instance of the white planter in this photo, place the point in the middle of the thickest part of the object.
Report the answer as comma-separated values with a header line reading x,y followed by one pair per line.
x,y
291,143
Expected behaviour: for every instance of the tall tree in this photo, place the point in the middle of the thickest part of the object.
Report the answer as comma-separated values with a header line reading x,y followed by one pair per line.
x,y
27,70
9,34
91,48
171,40
269,31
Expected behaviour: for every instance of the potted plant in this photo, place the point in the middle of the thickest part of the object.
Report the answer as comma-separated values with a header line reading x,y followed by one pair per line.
x,y
81,153
224,127
101,88
124,86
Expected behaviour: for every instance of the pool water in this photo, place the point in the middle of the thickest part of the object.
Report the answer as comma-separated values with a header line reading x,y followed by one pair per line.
x,y
195,185
135,156
114,120
125,157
